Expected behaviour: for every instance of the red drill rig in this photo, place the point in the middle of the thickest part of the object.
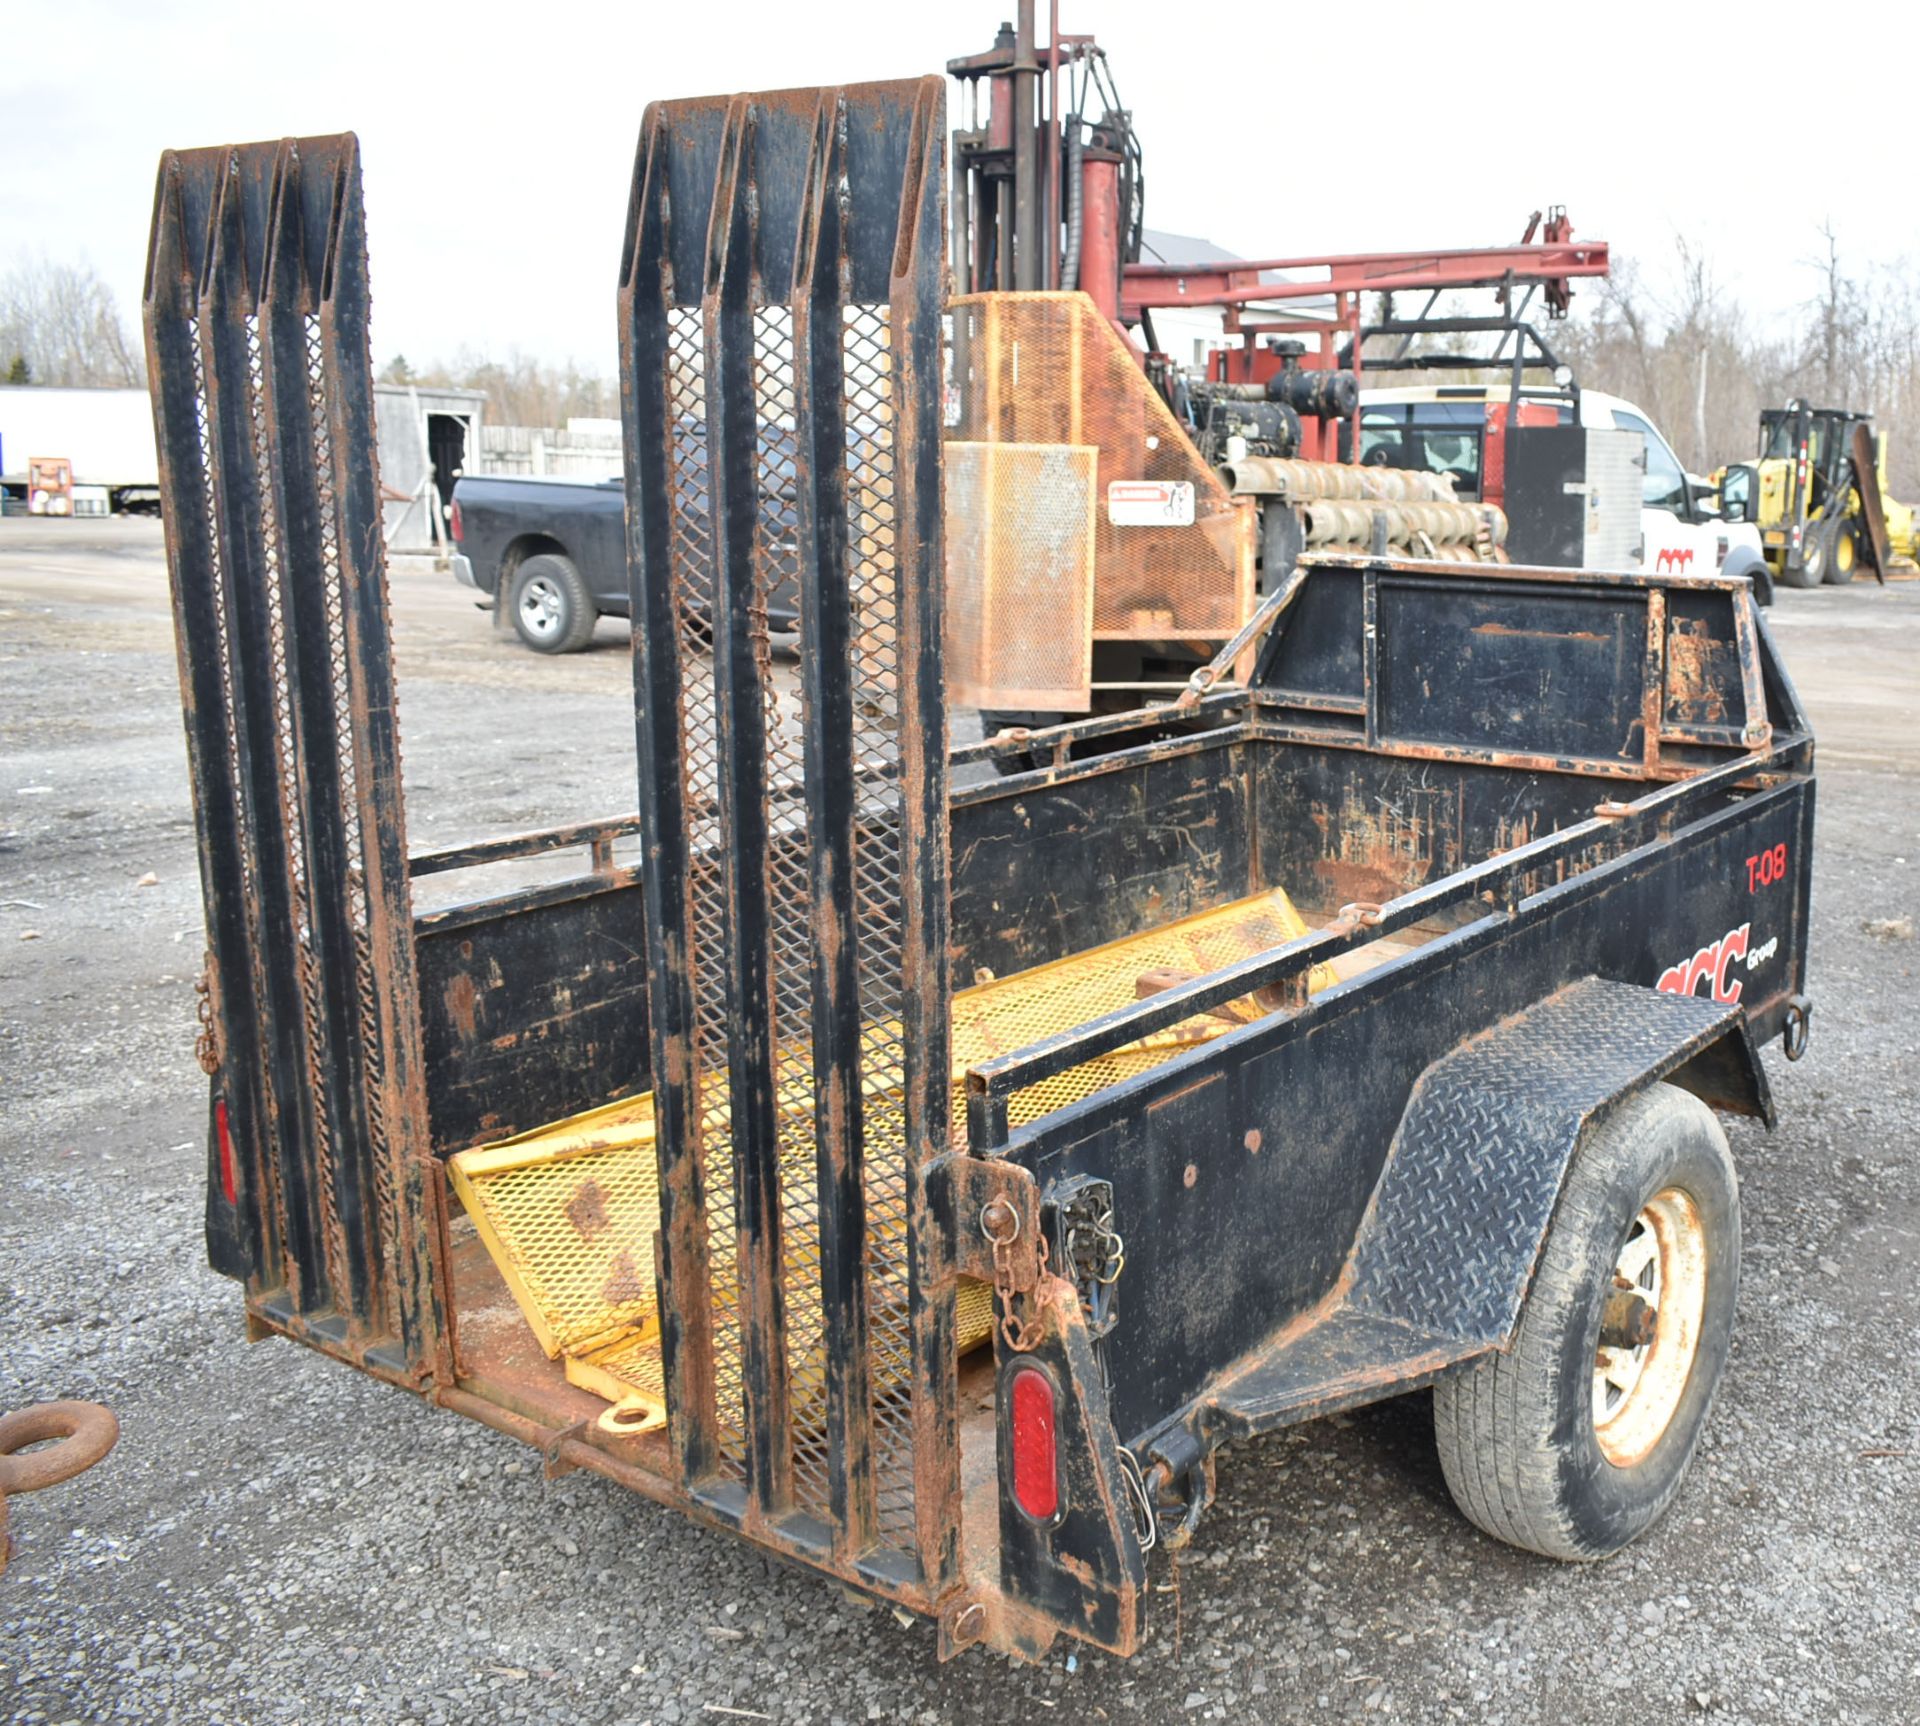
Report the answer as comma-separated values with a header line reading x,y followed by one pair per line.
x,y
1196,486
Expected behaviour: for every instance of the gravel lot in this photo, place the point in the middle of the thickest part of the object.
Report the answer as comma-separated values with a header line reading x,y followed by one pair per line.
x,y
279,1539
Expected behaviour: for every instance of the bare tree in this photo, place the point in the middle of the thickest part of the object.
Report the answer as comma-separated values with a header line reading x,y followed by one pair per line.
x,y
520,390
1838,314
62,323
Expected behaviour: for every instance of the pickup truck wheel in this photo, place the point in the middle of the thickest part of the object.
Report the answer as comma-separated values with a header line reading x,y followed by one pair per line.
x,y
552,610
1574,1442
1744,560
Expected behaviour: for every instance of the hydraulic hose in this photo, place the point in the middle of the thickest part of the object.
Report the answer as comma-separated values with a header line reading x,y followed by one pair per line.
x,y
1070,270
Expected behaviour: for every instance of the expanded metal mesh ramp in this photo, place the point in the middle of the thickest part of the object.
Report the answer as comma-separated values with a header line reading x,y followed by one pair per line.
x,y
256,320
780,313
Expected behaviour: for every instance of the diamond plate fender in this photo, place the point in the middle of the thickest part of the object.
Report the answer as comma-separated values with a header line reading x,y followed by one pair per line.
x,y
1449,1242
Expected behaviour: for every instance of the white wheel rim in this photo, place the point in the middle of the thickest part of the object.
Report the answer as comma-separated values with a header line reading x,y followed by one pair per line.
x,y
1636,1391
540,607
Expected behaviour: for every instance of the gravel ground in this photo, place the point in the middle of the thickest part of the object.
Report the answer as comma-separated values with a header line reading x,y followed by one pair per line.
x,y
278,1539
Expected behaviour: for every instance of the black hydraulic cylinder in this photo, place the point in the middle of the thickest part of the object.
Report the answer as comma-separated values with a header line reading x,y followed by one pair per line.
x,y
1317,395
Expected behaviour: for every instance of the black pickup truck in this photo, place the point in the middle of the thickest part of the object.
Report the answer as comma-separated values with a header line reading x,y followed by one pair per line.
x,y
551,554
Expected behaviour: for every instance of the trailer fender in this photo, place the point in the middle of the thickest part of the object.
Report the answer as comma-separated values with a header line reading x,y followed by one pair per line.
x,y
1457,1221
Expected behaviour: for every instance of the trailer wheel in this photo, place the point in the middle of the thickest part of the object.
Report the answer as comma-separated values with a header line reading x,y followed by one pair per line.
x,y
1574,1442
552,610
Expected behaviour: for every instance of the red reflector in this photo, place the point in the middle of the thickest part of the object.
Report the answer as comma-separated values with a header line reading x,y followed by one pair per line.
x,y
453,521
223,1136
1036,1482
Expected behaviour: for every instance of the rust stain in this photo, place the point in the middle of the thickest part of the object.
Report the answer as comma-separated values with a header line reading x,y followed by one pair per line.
x,y
1540,634
1372,853
1697,671
624,1284
463,1005
587,1209
1081,1571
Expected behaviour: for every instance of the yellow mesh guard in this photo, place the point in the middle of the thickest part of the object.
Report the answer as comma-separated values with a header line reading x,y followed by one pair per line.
x,y
1048,369
1019,545
569,1211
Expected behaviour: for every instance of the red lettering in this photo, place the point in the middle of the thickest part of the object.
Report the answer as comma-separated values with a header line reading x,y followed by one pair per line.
x,y
1765,868
1733,945
1710,966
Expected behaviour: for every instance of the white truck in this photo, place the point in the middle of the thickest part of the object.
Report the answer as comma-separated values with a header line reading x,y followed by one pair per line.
x,y
1460,430
106,435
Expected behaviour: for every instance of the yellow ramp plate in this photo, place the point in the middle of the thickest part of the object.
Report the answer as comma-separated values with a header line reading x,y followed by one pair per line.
x,y
568,1213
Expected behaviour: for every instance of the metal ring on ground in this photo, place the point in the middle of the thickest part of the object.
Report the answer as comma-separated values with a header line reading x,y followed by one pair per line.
x,y
86,1432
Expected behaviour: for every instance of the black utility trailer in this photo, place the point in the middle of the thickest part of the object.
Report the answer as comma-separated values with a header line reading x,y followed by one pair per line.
x,y
924,1177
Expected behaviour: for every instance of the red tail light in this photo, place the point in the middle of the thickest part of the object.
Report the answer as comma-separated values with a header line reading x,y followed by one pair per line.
x,y
223,1136
1030,1421
453,520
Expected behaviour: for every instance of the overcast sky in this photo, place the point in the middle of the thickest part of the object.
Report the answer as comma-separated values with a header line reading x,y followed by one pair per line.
x,y
498,140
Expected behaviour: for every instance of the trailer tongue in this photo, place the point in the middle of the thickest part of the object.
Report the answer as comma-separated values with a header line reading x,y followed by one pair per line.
x,y
924,1181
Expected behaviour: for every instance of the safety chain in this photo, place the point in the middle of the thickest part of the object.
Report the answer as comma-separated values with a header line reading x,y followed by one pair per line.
x,y
1000,1225
206,1045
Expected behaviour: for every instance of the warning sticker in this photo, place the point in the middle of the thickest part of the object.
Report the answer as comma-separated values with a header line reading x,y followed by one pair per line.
x,y
1150,502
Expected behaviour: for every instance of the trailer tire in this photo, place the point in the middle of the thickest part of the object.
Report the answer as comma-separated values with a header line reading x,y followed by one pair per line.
x,y
550,604
1524,1453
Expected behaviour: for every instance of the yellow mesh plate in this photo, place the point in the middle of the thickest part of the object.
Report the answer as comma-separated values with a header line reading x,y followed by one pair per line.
x,y
1010,1013
569,1211
1047,368
1020,524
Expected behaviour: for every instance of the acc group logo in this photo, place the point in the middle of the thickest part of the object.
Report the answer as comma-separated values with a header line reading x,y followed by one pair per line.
x,y
1711,965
